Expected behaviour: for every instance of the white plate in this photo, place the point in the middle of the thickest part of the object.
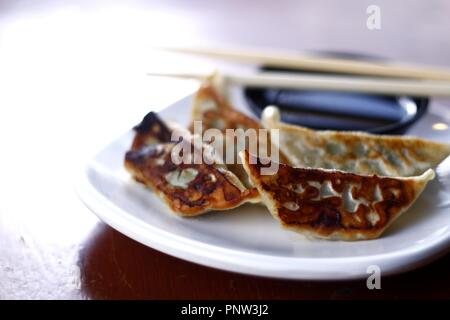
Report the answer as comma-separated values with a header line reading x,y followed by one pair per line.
x,y
248,240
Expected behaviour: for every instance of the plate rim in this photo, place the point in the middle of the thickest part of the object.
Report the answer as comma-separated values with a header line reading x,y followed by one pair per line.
x,y
213,256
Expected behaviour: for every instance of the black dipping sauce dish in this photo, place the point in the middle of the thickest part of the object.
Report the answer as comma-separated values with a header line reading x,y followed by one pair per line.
x,y
331,110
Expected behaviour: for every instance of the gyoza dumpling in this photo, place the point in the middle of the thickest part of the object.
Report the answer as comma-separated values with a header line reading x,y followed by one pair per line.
x,y
188,189
332,204
355,152
210,107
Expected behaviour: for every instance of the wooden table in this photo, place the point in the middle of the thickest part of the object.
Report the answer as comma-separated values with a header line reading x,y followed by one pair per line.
x,y
73,77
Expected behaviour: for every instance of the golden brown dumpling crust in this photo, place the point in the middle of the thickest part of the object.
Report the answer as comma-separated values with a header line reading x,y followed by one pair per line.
x,y
356,152
334,204
214,112
188,189
211,108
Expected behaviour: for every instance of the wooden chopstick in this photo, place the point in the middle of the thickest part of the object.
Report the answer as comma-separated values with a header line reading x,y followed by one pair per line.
x,y
330,83
314,63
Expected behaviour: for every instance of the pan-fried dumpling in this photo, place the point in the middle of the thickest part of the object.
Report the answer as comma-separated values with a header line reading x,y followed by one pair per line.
x,y
332,204
355,152
210,107
188,189
214,112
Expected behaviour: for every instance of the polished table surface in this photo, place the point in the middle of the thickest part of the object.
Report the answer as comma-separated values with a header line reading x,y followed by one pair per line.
x,y
72,77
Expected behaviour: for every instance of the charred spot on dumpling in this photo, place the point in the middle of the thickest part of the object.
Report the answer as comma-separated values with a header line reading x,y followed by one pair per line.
x,y
152,123
328,218
151,130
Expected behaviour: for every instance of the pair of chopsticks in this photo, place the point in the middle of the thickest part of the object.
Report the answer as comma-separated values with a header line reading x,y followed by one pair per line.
x,y
396,79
